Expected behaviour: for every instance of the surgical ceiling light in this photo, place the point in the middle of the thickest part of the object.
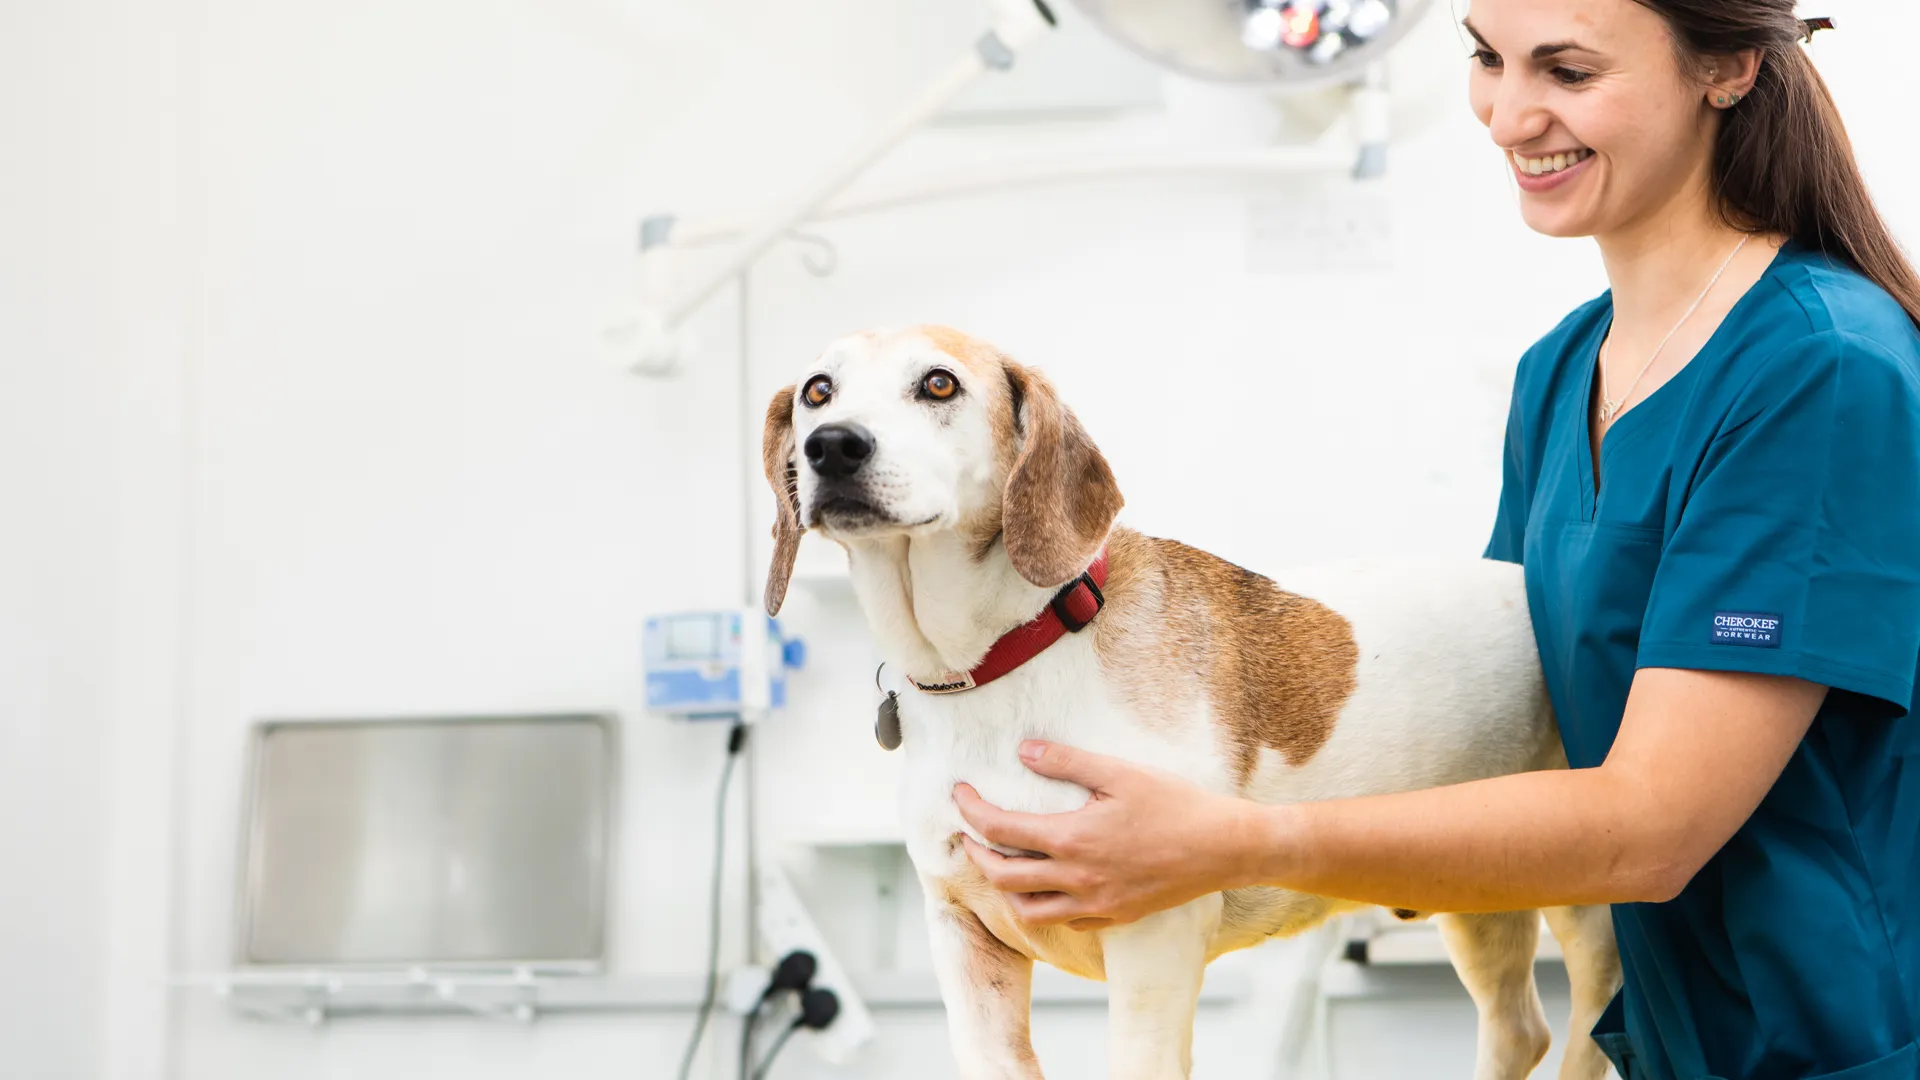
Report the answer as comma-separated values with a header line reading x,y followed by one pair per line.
x,y
1281,45
1273,42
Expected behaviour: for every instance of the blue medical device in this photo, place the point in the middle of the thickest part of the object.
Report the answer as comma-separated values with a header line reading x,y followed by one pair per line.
x,y
725,663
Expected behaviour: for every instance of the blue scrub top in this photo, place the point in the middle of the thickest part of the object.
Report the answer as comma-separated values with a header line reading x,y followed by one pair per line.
x,y
1759,512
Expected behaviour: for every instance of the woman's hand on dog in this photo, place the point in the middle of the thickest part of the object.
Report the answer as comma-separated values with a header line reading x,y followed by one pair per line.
x,y
1145,842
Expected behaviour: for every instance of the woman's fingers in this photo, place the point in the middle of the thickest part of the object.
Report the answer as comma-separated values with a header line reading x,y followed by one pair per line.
x,y
1014,875
1095,772
1036,889
1028,832
1046,909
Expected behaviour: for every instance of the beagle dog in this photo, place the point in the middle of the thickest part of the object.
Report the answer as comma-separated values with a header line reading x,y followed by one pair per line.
x,y
978,519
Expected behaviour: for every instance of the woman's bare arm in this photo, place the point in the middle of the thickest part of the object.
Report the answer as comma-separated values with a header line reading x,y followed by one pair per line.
x,y
1696,753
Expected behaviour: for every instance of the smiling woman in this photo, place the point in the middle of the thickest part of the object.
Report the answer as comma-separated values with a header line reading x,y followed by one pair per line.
x,y
1617,101
1712,481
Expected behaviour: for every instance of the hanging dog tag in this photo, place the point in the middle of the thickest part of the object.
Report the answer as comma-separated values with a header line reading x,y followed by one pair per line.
x,y
887,727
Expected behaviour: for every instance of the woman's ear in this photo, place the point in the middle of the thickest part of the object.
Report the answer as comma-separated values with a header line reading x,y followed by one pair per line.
x,y
1061,498
776,450
1730,77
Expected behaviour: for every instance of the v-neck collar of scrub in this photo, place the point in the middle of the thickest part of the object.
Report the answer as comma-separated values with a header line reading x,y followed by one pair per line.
x,y
1710,349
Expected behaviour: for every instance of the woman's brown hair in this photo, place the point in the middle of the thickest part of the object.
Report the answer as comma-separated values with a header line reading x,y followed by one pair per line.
x,y
1783,162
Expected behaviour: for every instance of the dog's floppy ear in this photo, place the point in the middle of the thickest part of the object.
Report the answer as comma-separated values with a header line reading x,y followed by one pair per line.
x,y
1061,498
776,450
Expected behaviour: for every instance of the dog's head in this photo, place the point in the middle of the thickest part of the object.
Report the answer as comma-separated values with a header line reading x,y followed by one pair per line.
x,y
910,431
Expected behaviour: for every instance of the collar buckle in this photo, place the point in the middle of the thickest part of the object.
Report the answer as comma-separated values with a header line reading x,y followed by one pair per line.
x,y
1076,609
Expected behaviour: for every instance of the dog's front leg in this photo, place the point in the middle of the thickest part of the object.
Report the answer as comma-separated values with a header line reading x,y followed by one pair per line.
x,y
988,992
1154,970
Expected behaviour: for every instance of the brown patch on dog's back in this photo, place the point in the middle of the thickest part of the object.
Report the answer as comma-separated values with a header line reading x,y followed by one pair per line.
x,y
1276,668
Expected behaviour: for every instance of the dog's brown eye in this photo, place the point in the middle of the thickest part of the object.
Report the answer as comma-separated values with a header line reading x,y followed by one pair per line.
x,y
819,389
939,385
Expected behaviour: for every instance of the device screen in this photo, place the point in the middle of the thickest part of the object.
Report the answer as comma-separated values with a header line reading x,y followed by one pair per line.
x,y
693,638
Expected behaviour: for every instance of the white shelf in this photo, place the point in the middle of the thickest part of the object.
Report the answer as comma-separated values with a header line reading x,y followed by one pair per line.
x,y
881,833
314,997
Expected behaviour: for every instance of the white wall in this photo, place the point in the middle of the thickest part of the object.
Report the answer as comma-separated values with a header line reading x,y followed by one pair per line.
x,y
367,460
93,310
56,473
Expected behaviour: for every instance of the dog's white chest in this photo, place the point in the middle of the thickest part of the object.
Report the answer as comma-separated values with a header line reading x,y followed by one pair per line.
x,y
974,737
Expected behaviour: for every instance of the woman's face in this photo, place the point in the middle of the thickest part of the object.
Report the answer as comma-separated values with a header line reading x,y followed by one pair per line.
x,y
1601,126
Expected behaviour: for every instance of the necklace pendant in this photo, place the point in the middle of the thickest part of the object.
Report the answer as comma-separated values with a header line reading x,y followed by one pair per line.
x,y
1607,409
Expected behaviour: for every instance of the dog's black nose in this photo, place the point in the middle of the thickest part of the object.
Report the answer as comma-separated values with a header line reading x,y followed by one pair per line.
x,y
839,449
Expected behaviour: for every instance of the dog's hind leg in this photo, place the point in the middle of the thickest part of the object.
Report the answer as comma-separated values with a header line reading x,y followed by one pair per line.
x,y
987,989
1493,954
1154,970
1593,967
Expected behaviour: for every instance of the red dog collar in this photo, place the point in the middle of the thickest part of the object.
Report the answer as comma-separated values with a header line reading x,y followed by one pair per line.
x,y
1071,609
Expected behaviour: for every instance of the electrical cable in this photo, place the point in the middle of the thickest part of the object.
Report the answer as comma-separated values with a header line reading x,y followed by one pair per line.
x,y
736,739
747,1024
793,974
761,1072
818,1008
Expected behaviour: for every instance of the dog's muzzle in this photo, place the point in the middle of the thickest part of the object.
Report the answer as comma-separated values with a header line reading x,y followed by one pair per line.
x,y
838,455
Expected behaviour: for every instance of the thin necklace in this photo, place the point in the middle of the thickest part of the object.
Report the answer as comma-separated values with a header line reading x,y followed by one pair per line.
x,y
1609,404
